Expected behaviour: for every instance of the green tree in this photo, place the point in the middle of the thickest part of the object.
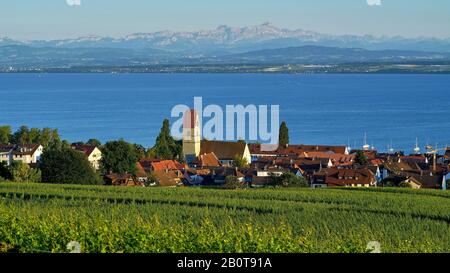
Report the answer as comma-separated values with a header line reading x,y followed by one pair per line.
x,y
360,158
151,180
48,137
240,162
166,147
5,134
284,134
21,172
34,135
78,143
5,173
21,136
119,157
140,150
62,165
94,142
287,180
232,182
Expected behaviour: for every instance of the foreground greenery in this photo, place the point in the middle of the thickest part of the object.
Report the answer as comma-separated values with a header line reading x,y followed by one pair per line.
x,y
44,218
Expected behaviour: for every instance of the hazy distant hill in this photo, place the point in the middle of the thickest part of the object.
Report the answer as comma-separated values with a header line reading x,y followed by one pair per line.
x,y
25,56
255,44
330,55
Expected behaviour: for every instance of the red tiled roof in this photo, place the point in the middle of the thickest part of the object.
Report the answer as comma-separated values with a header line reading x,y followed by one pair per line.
x,y
146,163
376,162
86,149
166,165
6,148
140,171
347,177
298,149
27,149
336,159
208,160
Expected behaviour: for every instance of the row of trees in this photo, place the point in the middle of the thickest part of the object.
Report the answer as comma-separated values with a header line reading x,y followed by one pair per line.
x,y
25,135
19,172
61,164
286,180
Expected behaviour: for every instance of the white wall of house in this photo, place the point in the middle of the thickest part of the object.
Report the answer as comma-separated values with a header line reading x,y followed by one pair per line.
x,y
95,157
247,155
28,158
6,157
268,173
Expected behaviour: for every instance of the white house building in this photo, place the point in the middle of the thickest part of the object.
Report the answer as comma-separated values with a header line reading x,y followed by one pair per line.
x,y
28,154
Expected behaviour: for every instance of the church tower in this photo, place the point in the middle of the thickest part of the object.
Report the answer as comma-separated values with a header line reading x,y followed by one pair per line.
x,y
191,135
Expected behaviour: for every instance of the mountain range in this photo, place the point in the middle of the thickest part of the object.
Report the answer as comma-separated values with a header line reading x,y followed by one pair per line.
x,y
261,43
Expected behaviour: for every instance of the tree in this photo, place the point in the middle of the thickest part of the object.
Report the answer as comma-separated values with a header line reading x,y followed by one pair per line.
x,y
21,136
5,173
166,147
119,157
45,137
78,143
292,180
48,137
360,158
232,182
94,142
63,165
151,180
287,180
5,134
240,162
34,135
140,150
21,172
284,134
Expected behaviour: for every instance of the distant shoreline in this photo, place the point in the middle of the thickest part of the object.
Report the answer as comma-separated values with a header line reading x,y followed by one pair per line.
x,y
371,68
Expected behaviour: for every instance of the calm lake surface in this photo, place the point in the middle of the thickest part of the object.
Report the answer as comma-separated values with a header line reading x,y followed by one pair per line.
x,y
319,109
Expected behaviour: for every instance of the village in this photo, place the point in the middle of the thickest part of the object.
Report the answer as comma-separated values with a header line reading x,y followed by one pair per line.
x,y
247,165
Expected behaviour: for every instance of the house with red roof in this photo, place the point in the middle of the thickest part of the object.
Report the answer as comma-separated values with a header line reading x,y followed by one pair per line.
x,y
165,165
93,154
343,177
28,154
206,160
290,150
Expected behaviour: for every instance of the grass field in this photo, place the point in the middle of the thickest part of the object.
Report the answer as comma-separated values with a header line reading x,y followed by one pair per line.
x,y
44,218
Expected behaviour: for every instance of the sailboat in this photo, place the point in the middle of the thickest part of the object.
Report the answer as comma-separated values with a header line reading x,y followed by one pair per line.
x,y
417,148
391,148
366,146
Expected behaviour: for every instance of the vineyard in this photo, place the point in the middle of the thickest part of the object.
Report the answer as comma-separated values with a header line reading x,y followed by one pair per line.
x,y
41,218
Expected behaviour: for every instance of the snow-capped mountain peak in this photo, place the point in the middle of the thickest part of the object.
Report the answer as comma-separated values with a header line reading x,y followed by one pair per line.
x,y
228,39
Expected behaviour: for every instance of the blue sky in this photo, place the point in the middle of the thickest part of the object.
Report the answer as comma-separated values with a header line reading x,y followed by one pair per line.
x,y
50,19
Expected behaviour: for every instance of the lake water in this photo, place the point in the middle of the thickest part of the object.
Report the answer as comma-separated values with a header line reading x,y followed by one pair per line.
x,y
319,109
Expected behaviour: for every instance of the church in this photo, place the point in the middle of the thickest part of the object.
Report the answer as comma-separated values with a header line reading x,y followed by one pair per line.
x,y
194,145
